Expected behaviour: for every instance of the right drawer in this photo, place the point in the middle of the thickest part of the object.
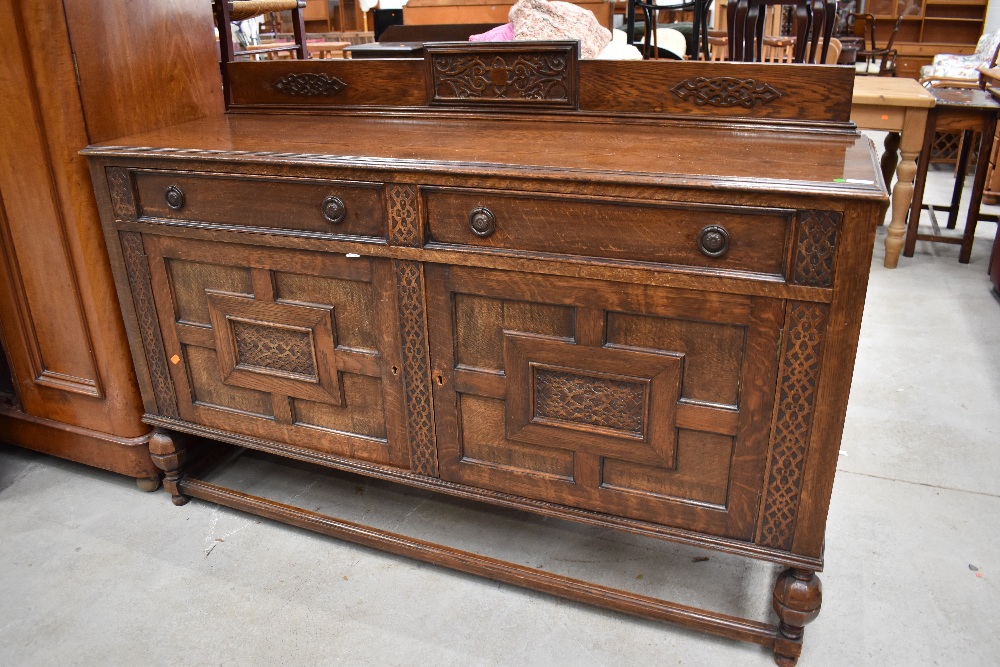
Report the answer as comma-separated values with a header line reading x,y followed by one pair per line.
x,y
700,235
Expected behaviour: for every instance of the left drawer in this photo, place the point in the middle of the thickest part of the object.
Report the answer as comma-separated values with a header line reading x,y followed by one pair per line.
x,y
286,205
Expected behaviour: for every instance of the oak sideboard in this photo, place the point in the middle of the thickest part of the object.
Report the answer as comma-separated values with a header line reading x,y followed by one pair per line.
x,y
485,273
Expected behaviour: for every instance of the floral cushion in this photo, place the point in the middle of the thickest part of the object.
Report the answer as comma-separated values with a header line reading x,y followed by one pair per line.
x,y
954,66
950,72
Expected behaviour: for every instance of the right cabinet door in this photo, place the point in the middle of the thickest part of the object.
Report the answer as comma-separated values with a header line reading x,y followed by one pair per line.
x,y
646,402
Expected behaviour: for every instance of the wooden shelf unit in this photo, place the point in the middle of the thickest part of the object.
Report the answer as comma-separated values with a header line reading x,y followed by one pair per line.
x,y
929,27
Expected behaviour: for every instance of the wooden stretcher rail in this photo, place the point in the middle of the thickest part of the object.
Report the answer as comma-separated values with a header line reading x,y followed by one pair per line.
x,y
722,625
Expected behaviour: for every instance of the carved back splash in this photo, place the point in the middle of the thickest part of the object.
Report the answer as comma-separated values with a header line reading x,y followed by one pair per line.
x,y
549,77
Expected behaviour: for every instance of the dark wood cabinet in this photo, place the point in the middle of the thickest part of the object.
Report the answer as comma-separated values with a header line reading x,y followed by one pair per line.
x,y
74,392
532,309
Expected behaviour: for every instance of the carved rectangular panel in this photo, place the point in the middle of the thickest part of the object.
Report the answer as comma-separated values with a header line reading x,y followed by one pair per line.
x,y
288,346
607,401
504,74
577,392
276,346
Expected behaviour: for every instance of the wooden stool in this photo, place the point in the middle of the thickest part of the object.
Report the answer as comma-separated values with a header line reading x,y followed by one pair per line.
x,y
963,110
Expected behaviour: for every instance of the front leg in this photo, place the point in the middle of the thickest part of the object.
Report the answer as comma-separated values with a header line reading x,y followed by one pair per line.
x,y
169,456
798,595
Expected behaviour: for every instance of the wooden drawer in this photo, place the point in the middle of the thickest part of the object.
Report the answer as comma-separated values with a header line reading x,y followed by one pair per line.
x,y
291,205
647,232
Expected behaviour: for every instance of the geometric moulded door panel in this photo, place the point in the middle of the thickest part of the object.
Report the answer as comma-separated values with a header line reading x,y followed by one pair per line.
x,y
288,346
644,402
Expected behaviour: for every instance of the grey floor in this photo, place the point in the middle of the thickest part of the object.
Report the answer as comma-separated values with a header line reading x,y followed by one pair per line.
x,y
95,572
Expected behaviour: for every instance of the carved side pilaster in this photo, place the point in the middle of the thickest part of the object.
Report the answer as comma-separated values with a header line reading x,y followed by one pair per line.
x,y
120,189
815,248
800,370
404,221
416,366
149,326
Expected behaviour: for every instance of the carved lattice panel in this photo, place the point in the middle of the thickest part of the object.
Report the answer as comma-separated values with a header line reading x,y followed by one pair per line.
x,y
800,369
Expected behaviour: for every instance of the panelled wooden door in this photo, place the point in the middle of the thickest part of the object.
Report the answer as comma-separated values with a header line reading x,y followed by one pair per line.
x,y
646,402
289,346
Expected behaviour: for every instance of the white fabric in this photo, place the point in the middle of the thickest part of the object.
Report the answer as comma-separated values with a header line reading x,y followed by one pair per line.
x,y
619,51
671,40
382,4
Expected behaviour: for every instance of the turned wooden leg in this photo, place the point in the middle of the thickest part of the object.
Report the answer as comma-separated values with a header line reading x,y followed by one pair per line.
x,y
910,145
798,595
168,455
890,159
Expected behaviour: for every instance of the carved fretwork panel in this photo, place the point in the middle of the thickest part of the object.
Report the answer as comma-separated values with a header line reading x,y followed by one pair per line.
x,y
815,248
521,74
404,223
800,371
285,346
624,399
149,326
122,195
416,371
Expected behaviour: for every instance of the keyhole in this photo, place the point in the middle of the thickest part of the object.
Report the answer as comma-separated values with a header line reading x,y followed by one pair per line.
x,y
440,379
395,371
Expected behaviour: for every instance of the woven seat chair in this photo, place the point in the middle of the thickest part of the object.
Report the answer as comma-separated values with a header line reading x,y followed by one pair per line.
x,y
240,10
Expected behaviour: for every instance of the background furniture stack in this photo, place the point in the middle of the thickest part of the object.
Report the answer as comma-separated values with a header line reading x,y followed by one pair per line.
x,y
74,392
929,27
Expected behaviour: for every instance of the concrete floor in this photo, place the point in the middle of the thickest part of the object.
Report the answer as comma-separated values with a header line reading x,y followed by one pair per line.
x,y
95,572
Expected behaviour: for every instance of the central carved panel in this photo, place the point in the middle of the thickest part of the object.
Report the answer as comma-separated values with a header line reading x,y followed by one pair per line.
x,y
610,402
589,400
536,74
279,348
274,348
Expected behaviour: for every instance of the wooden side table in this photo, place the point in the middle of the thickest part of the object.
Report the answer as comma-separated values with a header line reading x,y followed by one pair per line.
x,y
956,110
899,106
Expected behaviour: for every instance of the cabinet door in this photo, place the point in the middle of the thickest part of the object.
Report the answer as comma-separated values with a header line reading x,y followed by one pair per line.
x,y
645,402
289,346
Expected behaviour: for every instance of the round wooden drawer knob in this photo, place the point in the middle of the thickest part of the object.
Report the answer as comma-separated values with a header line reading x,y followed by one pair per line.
x,y
482,222
713,241
175,197
334,210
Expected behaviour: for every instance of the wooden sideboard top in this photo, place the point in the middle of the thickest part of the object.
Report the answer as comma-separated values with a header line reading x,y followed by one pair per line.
x,y
682,154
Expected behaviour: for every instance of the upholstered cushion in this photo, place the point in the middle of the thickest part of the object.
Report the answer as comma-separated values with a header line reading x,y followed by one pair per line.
x,y
949,72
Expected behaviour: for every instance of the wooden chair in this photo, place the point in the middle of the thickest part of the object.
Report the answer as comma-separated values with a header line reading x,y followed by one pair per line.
x,y
875,61
813,28
227,11
718,46
651,8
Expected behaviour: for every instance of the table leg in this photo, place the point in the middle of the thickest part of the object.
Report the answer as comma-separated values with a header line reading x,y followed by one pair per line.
x,y
890,158
978,185
923,163
911,139
960,171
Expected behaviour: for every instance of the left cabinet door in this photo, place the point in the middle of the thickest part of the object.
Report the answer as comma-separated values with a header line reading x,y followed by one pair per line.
x,y
287,346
